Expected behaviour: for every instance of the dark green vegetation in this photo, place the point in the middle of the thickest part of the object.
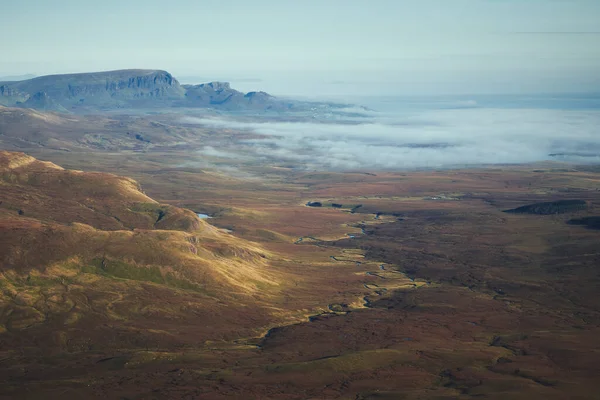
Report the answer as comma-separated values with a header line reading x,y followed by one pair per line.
x,y
553,207
588,222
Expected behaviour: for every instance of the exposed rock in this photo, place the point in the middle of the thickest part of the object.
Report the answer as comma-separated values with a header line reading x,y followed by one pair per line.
x,y
139,89
212,93
41,101
10,95
103,89
220,94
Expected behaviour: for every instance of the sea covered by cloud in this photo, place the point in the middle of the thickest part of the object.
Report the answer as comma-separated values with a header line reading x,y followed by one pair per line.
x,y
432,134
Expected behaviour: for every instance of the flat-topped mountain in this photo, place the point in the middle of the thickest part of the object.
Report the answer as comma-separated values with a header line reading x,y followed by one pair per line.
x,y
112,89
132,88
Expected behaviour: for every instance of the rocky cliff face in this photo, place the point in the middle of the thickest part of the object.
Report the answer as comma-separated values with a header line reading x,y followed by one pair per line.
x,y
212,93
41,101
10,95
134,85
104,89
221,95
132,89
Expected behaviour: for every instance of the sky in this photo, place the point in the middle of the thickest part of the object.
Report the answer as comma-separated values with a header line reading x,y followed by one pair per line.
x,y
299,47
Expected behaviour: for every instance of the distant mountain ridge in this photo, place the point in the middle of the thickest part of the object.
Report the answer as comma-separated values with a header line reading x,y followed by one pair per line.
x,y
17,77
132,88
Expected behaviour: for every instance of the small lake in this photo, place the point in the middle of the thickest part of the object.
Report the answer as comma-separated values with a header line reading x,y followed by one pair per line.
x,y
203,216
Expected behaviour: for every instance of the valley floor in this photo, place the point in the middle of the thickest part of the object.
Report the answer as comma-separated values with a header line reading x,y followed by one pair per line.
x,y
413,285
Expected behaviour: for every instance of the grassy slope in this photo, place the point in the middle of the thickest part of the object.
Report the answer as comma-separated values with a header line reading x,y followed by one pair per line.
x,y
501,305
81,250
510,309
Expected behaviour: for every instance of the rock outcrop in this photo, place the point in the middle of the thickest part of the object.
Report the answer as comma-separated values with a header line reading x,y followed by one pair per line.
x,y
41,101
221,95
136,89
112,89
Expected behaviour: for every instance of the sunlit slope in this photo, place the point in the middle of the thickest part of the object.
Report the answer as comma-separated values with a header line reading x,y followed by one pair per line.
x,y
80,249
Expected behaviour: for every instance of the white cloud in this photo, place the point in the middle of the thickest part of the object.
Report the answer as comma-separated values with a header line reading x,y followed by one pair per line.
x,y
436,138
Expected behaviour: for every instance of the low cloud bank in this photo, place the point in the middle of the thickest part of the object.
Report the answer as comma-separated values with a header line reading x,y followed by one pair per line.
x,y
427,139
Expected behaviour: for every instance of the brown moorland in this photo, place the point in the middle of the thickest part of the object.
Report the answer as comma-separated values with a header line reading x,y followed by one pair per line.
x,y
427,290
89,261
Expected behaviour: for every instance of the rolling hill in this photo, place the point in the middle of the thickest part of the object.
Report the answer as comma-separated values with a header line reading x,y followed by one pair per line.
x,y
89,258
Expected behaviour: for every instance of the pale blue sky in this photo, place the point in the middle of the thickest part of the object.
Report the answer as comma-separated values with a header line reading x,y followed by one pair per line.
x,y
416,45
